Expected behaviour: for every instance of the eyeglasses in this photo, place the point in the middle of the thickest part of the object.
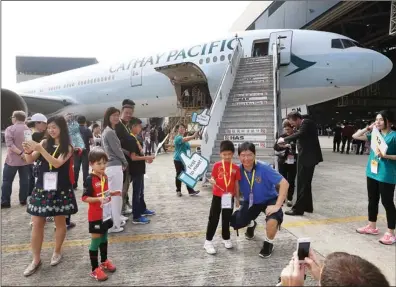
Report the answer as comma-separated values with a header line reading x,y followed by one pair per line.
x,y
246,155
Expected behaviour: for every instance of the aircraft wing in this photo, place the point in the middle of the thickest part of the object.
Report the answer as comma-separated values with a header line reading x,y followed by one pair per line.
x,y
46,104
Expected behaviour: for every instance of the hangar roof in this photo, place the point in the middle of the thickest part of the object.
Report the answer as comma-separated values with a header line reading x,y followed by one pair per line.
x,y
50,65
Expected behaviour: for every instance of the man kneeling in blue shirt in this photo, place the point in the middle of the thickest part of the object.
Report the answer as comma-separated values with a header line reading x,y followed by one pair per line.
x,y
258,186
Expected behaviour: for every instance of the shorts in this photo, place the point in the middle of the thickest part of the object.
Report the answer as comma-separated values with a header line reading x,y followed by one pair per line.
x,y
256,209
100,227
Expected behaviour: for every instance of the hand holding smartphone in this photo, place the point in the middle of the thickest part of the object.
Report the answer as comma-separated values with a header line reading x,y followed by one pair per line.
x,y
303,245
27,135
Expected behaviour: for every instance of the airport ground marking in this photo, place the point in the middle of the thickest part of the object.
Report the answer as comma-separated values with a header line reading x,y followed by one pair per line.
x,y
176,235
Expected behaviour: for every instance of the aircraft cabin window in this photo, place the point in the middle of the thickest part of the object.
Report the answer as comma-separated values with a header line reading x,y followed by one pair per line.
x,y
200,61
229,57
215,59
222,58
207,60
113,77
101,79
336,44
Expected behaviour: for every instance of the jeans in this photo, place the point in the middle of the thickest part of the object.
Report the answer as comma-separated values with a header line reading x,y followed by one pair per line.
x,y
78,160
9,173
138,204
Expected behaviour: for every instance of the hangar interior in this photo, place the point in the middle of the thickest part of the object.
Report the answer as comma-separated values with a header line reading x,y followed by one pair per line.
x,y
368,22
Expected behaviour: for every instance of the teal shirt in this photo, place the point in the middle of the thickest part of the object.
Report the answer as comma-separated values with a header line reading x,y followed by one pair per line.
x,y
180,147
386,167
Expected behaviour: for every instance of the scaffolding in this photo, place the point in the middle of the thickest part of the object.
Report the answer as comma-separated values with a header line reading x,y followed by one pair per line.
x,y
392,22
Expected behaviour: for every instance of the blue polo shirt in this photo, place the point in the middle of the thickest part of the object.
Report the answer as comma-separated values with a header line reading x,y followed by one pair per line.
x,y
265,180
386,167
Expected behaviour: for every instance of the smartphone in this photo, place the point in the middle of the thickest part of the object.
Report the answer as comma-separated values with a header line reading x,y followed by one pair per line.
x,y
27,135
303,245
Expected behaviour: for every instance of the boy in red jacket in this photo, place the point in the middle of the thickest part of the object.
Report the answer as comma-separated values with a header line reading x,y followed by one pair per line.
x,y
97,195
225,176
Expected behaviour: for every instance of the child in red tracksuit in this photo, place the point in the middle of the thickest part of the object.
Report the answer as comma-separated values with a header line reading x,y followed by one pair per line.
x,y
225,177
98,197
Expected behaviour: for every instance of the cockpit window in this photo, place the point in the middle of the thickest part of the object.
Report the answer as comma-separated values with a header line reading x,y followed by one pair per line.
x,y
348,43
336,44
344,44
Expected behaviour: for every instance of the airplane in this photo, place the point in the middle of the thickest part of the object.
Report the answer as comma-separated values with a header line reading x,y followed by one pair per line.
x,y
315,67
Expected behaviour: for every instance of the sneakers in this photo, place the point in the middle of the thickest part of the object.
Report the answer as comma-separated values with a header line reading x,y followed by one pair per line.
x,y
249,234
141,220
148,212
32,268
267,249
116,229
388,239
108,266
98,274
71,225
122,224
124,218
178,193
368,230
209,247
227,243
196,192
56,259
127,211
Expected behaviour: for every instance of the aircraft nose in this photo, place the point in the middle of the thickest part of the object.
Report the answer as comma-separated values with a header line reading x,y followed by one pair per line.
x,y
381,67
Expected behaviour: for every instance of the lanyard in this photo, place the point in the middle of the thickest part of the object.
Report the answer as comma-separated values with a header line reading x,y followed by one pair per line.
x,y
251,183
125,127
138,143
50,165
225,173
102,183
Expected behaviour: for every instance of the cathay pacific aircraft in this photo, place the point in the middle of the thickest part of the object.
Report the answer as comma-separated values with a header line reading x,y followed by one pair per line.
x,y
316,67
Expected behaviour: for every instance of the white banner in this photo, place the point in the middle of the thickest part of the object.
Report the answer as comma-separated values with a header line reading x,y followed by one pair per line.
x,y
251,95
246,131
249,99
248,138
256,103
377,140
258,145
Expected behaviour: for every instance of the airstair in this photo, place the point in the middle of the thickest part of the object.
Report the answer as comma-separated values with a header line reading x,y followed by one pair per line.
x,y
246,107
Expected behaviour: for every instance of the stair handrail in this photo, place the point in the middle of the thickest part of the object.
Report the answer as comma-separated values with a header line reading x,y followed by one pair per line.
x,y
216,111
276,89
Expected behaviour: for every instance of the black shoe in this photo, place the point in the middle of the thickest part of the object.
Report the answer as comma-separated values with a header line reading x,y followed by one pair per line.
x,y
267,249
293,212
194,193
178,193
22,203
5,205
289,203
249,234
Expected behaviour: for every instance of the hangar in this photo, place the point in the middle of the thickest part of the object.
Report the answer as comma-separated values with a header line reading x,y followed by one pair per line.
x,y
371,23
29,68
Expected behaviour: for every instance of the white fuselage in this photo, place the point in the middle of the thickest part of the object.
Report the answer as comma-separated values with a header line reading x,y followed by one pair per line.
x,y
333,72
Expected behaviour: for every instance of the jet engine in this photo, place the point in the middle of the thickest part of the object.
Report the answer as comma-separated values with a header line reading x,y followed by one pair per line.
x,y
10,102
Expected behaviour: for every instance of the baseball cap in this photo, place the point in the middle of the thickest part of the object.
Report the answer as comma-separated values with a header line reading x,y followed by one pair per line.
x,y
38,118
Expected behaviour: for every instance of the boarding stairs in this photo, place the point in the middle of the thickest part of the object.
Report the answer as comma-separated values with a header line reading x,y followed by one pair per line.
x,y
246,110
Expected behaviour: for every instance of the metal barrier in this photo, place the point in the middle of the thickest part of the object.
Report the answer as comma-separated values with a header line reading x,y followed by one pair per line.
x,y
276,93
216,112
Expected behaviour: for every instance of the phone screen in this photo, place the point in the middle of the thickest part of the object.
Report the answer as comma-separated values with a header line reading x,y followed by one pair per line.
x,y
303,250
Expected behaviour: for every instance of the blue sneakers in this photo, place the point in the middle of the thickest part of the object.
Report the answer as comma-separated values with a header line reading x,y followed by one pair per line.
x,y
141,220
148,212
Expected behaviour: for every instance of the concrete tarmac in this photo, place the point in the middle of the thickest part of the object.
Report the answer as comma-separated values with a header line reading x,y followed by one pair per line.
x,y
169,250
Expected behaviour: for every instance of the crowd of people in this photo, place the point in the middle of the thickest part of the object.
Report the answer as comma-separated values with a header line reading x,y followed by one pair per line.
x,y
49,157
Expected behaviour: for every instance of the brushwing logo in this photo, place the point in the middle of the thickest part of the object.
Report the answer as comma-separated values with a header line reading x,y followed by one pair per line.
x,y
301,64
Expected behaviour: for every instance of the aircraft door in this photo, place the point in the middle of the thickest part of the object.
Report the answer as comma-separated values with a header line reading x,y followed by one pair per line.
x,y
136,77
285,41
